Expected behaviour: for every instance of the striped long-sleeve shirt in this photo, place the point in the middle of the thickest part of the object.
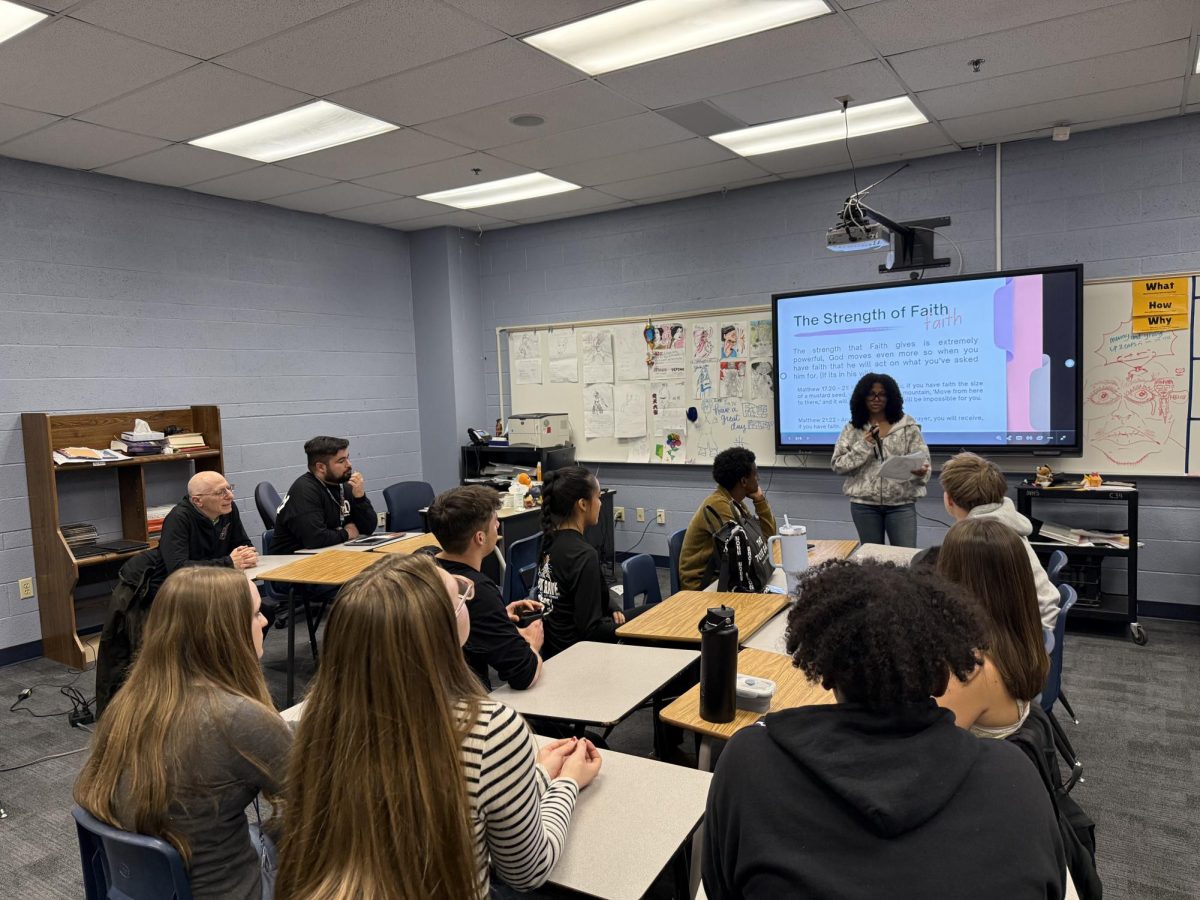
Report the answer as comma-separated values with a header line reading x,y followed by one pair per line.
x,y
520,816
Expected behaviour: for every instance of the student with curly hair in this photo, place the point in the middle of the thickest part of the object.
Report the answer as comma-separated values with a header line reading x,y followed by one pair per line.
x,y
878,794
878,429
987,558
736,474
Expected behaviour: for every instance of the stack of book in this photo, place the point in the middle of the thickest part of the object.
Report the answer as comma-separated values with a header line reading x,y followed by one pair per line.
x,y
1078,537
81,539
186,442
154,520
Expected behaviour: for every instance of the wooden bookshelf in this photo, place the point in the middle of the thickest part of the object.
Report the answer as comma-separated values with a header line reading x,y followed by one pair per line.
x,y
56,569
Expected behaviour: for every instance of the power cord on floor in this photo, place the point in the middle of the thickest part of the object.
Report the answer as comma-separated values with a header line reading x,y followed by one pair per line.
x,y
42,759
82,711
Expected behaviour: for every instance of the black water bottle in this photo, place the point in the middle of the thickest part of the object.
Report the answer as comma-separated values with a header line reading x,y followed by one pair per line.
x,y
718,665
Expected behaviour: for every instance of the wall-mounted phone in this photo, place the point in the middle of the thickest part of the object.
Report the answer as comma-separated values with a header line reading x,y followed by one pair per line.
x,y
478,438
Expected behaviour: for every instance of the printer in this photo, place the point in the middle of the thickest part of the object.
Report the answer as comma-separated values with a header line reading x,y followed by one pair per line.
x,y
539,429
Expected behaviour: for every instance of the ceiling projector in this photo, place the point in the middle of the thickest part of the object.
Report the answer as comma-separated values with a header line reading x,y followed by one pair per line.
x,y
850,236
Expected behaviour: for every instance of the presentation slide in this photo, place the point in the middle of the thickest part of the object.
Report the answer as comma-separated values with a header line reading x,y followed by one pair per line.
x,y
984,361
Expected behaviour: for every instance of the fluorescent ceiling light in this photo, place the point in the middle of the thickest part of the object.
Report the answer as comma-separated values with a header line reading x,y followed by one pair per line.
x,y
14,19
506,190
652,29
306,129
870,118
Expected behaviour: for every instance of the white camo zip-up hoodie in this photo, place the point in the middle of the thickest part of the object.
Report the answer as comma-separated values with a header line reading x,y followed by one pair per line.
x,y
860,463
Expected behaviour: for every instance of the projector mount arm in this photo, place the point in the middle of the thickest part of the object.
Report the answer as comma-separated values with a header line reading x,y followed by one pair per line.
x,y
912,241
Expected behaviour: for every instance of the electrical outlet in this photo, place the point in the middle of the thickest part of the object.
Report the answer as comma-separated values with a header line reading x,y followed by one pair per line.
x,y
26,588
618,514
381,520
641,514
661,518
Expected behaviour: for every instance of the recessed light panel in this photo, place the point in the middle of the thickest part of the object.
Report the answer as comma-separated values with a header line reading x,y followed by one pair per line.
x,y
15,18
870,118
506,190
306,129
652,29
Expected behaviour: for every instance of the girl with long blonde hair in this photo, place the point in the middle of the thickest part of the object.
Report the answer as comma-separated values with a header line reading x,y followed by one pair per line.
x,y
189,741
988,558
406,781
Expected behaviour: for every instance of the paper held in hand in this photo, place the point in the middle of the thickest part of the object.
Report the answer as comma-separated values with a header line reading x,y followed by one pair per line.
x,y
901,468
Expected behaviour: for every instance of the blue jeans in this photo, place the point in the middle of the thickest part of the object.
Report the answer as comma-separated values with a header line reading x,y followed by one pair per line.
x,y
872,520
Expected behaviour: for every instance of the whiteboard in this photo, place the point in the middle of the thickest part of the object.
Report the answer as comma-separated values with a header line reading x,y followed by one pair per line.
x,y
1138,419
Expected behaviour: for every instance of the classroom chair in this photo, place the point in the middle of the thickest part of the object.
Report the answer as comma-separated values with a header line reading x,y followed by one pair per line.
x,y
1054,566
520,568
405,500
268,501
279,597
639,576
674,549
1052,692
121,865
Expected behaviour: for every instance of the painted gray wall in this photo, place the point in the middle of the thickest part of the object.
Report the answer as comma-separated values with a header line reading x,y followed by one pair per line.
x,y
1123,201
119,295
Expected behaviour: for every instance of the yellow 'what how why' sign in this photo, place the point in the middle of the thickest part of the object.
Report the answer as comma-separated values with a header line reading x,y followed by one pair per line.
x,y
1161,304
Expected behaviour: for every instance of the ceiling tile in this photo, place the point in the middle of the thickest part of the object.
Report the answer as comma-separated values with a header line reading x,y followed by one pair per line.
x,y
899,25
565,108
51,5
700,190
382,153
840,167
699,179
500,71
864,82
1006,124
459,218
523,16
203,28
886,145
392,211
178,165
194,103
449,173
260,183
550,217
604,139
568,201
15,121
640,163
67,66
360,43
329,198
78,145
1110,30
800,49
1055,82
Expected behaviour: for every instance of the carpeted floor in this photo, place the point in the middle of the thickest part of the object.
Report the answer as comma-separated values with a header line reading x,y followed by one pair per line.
x,y
1138,737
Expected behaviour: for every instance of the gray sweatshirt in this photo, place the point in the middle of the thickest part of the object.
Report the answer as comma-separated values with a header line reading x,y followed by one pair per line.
x,y
860,463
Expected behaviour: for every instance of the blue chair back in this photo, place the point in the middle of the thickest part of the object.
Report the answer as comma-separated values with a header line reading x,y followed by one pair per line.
x,y
1054,565
120,865
674,549
404,501
520,568
639,576
267,499
1067,598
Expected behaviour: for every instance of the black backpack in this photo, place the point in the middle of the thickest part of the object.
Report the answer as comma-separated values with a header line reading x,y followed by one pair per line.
x,y
741,559
1036,740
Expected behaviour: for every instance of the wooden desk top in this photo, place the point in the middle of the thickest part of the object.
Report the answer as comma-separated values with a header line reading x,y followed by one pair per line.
x,y
821,551
408,545
792,689
676,619
330,567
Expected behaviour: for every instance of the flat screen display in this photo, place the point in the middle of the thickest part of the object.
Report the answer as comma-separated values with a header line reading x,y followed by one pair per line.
x,y
989,362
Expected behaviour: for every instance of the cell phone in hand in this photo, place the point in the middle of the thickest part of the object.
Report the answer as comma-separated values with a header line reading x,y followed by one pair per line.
x,y
528,617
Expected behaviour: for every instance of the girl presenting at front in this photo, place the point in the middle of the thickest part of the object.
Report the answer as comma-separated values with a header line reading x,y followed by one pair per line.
x,y
406,781
192,737
878,430
570,584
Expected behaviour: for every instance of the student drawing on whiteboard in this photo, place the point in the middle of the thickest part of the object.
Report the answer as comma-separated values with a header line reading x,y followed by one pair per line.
x,y
599,405
704,347
730,341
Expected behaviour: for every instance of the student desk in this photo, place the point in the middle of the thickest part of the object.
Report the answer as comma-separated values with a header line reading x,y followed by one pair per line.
x,y
676,620
901,556
591,683
332,568
408,545
792,688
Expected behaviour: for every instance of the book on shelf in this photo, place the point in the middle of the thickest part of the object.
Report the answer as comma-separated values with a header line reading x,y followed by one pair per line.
x,y
68,455
138,448
191,440
1080,537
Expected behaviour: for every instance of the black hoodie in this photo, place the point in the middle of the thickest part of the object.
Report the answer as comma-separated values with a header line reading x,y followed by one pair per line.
x,y
841,801
189,538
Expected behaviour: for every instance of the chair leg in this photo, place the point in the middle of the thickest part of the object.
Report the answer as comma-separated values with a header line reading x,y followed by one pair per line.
x,y
1062,698
312,627
1062,742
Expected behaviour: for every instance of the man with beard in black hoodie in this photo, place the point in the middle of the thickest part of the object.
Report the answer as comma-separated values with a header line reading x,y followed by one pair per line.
x,y
203,529
879,794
